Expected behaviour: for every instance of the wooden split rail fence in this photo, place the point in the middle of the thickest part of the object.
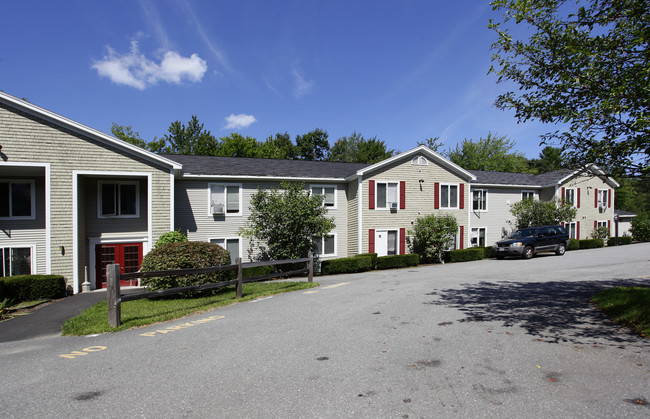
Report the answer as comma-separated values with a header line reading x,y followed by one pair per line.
x,y
113,278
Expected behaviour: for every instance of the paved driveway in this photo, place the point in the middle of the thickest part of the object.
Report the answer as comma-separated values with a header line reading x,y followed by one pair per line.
x,y
513,338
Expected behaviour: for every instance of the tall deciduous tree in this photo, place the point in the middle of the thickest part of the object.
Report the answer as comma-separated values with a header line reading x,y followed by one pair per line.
x,y
432,143
278,147
584,65
491,153
356,149
236,145
313,145
189,139
287,221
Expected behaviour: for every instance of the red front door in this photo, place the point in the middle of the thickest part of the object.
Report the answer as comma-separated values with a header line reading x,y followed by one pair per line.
x,y
128,255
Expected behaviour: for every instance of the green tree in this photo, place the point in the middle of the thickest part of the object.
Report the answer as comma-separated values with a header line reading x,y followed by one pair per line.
x,y
432,143
550,159
236,145
189,139
313,145
634,195
582,64
641,229
125,133
356,149
491,153
278,147
432,235
288,221
533,213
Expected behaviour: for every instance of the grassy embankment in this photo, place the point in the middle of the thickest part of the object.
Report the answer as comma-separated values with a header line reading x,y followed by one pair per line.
x,y
628,306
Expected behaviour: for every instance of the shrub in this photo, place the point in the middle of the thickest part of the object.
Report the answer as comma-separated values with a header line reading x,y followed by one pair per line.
x,y
171,237
397,261
641,229
431,235
32,287
489,252
346,265
373,257
185,255
591,243
573,244
256,271
465,255
621,240
601,232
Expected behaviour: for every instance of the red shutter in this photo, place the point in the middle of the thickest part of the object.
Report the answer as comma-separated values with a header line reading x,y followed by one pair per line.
x,y
371,240
402,195
563,195
461,196
577,230
402,241
462,236
371,195
562,223
578,199
596,198
595,224
609,227
436,195
609,198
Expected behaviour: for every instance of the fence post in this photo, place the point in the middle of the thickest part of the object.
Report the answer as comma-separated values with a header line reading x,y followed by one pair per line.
x,y
311,267
239,278
113,294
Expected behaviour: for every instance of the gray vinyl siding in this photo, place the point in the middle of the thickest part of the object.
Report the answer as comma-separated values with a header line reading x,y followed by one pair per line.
x,y
495,219
112,227
26,138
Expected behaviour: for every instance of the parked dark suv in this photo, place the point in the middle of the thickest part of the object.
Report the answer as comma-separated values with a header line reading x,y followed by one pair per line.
x,y
529,241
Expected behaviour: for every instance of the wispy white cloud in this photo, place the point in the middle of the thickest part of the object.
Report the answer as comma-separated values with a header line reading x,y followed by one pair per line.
x,y
152,18
301,86
135,70
239,121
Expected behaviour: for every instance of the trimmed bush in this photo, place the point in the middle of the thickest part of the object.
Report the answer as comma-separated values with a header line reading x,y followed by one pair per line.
x,y
465,255
171,237
373,257
256,271
489,252
397,261
591,243
346,265
32,287
185,255
621,240
573,244
641,228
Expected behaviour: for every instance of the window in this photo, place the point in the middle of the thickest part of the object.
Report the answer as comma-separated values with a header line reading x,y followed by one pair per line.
x,y
15,261
602,199
17,199
326,246
329,192
527,195
231,245
479,200
570,196
478,237
572,229
224,199
420,161
601,224
118,199
386,194
448,196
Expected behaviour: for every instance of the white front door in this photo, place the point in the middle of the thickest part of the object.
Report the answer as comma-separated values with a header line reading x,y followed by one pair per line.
x,y
386,242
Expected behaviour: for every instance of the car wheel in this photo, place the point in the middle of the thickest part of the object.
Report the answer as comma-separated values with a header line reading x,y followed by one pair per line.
x,y
561,249
528,252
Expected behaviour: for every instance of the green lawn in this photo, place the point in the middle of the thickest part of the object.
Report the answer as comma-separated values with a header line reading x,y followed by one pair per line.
x,y
628,306
145,312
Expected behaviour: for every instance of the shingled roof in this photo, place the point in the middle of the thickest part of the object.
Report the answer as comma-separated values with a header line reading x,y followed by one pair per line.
x,y
519,179
276,168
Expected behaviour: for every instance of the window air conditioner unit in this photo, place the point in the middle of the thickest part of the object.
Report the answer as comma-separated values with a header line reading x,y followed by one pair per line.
x,y
218,209
602,208
393,206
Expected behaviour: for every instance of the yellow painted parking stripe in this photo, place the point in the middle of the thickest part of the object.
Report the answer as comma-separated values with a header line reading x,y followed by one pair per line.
x,y
335,285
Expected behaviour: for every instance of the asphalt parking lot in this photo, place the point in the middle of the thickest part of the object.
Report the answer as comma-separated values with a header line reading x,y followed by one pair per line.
x,y
512,338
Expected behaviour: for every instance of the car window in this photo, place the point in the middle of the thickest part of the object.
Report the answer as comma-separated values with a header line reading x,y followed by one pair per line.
x,y
523,233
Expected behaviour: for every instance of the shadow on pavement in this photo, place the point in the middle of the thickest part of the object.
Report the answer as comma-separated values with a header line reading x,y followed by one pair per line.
x,y
552,311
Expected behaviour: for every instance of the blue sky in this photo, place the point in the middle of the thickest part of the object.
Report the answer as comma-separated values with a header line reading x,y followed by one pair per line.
x,y
402,71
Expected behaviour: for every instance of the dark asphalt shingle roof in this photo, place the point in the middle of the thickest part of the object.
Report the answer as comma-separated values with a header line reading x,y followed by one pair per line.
x,y
243,166
506,178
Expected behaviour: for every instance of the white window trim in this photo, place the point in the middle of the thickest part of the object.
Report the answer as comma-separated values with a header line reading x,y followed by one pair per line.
x,y
485,194
568,225
458,197
534,193
471,232
419,161
574,204
386,230
603,193
32,187
32,249
225,239
120,182
227,214
322,243
601,223
387,207
318,185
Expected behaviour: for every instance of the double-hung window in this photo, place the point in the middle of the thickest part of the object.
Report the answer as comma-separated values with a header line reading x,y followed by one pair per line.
x,y
479,200
326,245
603,195
224,199
328,192
16,261
119,199
387,196
231,245
448,196
17,199
527,195
570,196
